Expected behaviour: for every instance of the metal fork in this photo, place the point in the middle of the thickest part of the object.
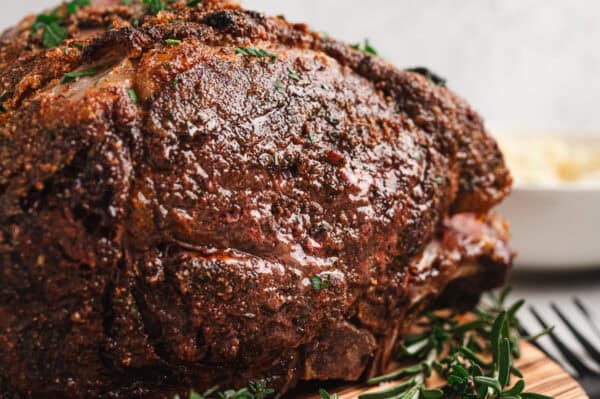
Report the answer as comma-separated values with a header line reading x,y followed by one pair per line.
x,y
585,375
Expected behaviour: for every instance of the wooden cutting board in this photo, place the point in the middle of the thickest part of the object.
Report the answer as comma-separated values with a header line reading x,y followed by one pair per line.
x,y
542,375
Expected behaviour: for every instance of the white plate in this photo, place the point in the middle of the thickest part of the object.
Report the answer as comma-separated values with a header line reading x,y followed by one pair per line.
x,y
556,227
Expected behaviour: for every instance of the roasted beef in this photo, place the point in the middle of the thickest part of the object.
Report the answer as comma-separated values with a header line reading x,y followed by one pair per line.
x,y
203,196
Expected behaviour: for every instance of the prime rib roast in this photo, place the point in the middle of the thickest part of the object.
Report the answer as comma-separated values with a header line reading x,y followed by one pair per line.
x,y
193,194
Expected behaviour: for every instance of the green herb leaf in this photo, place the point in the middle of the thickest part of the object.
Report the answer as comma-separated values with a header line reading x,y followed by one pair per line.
x,y
193,3
195,395
255,52
325,395
73,5
411,394
469,354
414,349
497,330
260,390
71,76
535,337
431,393
504,295
488,382
396,375
132,95
516,389
318,283
155,6
514,371
389,393
512,311
529,395
365,47
293,74
173,42
504,363
53,35
279,84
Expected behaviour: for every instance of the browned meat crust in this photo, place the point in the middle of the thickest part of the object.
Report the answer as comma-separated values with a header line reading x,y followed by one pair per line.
x,y
243,218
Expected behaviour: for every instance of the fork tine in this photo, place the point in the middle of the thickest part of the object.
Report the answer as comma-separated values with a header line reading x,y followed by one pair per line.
x,y
591,350
569,356
588,316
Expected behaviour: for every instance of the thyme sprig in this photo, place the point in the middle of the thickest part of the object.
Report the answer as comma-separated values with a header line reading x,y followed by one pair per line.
x,y
456,350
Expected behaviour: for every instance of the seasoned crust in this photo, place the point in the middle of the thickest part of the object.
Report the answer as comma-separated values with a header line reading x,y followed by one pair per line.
x,y
138,236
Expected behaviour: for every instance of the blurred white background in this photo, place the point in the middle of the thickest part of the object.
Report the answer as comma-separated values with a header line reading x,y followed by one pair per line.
x,y
524,64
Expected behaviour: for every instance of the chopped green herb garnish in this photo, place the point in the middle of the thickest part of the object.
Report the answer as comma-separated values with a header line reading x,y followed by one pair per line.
x,y
365,47
318,283
78,46
278,84
193,3
155,5
173,42
42,20
126,2
276,159
53,35
135,22
132,95
71,76
52,25
73,5
255,52
293,74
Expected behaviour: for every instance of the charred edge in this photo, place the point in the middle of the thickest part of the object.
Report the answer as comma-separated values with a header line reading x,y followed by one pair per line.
x,y
128,42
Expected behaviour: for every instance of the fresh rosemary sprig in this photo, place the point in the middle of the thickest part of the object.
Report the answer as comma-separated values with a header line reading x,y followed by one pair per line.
x,y
456,351
255,390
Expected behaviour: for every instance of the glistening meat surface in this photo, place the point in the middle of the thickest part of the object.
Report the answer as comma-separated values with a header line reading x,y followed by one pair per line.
x,y
188,214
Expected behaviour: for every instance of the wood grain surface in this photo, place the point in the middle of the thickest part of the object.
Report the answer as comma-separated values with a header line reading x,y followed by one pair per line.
x,y
542,375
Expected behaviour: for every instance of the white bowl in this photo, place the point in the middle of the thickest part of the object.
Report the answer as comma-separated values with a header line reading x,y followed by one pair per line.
x,y
555,227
